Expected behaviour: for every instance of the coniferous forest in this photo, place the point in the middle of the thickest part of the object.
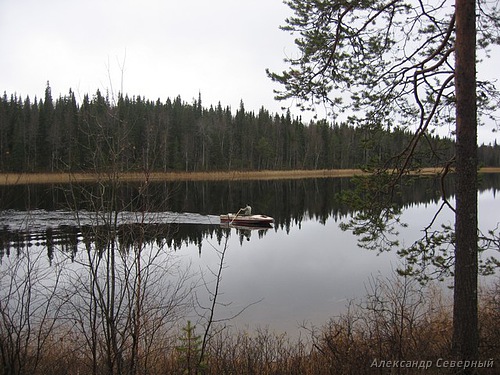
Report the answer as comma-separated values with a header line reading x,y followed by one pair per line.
x,y
47,135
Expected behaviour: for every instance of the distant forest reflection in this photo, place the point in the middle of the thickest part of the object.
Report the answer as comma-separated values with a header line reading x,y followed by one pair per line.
x,y
23,210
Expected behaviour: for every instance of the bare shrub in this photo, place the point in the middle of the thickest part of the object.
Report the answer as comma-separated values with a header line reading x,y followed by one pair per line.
x,y
398,320
260,352
29,310
489,318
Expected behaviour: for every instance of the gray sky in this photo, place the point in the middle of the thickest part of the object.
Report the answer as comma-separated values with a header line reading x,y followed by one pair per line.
x,y
165,48
220,48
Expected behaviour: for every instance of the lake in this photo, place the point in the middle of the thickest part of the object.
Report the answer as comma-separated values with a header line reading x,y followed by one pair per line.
x,y
302,271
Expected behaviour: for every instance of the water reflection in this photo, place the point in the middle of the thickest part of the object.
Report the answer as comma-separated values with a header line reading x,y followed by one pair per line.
x,y
245,232
304,269
182,213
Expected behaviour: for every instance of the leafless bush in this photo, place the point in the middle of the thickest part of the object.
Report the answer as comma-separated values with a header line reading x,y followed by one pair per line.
x,y
259,352
30,307
125,292
489,318
397,320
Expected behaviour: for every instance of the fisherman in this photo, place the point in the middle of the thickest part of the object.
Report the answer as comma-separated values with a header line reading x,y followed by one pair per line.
x,y
247,211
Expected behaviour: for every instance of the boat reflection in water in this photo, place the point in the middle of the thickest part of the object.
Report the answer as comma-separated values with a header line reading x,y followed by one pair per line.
x,y
245,231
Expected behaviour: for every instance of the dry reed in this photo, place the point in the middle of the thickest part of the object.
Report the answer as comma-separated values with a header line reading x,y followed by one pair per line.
x,y
63,178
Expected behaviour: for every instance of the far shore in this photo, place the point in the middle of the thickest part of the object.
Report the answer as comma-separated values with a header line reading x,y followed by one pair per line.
x,y
64,177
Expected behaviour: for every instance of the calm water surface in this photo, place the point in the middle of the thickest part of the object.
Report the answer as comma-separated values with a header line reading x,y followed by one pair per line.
x,y
308,274
304,270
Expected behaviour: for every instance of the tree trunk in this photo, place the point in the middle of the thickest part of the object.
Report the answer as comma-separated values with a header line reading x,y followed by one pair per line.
x,y
465,316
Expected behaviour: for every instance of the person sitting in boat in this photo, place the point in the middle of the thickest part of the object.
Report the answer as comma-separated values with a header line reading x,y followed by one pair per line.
x,y
247,211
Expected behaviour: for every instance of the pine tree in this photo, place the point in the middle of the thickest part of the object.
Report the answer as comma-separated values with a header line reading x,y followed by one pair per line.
x,y
190,350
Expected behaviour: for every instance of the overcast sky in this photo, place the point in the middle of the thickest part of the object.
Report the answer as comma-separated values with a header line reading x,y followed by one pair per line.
x,y
220,48
166,48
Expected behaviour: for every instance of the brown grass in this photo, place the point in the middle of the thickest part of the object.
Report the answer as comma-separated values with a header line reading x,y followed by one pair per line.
x,y
62,178
56,178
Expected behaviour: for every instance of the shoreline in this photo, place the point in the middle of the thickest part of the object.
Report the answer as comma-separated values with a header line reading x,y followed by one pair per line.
x,y
10,179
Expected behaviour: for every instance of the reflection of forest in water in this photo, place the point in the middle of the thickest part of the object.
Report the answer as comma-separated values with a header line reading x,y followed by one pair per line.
x,y
288,201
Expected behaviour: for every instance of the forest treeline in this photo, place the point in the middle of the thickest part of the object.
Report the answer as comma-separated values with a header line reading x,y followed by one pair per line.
x,y
47,135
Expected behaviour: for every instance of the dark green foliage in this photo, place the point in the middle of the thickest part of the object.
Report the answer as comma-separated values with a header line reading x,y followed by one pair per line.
x,y
138,134
376,211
